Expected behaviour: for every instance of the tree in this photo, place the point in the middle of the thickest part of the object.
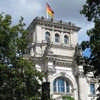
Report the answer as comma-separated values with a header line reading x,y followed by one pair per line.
x,y
91,10
19,79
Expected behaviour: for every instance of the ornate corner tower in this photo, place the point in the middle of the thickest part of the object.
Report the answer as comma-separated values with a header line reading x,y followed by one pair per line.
x,y
52,47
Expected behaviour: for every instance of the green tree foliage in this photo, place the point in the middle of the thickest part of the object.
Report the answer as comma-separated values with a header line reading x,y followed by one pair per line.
x,y
67,98
19,80
91,10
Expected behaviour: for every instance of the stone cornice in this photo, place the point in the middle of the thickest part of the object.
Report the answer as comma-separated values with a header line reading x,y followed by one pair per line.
x,y
63,46
92,80
52,58
57,60
53,23
60,56
56,29
62,63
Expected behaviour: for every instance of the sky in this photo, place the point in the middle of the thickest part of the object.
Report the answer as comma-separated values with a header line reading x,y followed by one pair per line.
x,y
66,10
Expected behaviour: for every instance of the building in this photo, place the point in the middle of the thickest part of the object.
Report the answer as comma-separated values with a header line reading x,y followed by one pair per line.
x,y
53,48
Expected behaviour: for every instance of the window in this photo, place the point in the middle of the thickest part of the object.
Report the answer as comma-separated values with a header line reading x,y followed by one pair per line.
x,y
47,36
65,39
57,38
67,87
92,88
61,85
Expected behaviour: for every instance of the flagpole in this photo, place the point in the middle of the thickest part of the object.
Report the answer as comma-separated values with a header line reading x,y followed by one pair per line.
x,y
47,13
46,10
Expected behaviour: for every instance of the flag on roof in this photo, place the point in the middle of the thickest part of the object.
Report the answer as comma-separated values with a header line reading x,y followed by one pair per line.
x,y
50,12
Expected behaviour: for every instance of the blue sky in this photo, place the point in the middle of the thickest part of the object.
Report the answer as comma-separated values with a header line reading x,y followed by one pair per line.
x,y
87,53
66,10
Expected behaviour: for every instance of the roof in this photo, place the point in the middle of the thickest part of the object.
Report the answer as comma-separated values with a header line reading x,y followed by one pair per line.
x,y
54,23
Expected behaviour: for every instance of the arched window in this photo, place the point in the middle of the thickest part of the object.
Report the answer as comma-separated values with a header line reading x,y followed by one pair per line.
x,y
47,36
57,38
61,85
65,39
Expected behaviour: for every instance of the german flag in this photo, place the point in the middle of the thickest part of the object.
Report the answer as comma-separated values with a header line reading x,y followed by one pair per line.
x,y
50,12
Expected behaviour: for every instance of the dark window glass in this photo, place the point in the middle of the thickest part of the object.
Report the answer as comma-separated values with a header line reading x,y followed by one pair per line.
x,y
54,84
57,38
92,88
47,36
67,87
65,39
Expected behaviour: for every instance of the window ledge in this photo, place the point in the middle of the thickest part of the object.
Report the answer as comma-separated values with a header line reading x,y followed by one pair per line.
x,y
69,94
57,43
92,95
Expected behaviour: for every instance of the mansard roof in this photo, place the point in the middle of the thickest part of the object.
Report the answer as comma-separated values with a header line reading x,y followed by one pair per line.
x,y
53,23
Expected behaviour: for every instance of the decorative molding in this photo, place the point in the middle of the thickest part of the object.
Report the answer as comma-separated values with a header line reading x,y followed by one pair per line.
x,y
53,23
60,30
81,74
53,45
63,74
92,80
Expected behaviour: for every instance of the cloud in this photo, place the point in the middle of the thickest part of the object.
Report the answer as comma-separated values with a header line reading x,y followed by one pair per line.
x,y
82,35
67,10
26,8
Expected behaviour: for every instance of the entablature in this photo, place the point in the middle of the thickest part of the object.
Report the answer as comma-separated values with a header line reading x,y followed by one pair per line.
x,y
44,43
54,23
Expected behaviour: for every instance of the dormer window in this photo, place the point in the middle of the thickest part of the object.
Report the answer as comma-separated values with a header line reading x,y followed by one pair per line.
x,y
57,38
47,36
66,39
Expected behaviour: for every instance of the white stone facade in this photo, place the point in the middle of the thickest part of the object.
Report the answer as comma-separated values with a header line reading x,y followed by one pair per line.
x,y
59,60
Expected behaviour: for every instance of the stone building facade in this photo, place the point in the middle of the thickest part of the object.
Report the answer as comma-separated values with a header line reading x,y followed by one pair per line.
x,y
52,47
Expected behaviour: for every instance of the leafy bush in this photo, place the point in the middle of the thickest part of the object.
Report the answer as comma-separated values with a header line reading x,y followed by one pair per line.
x,y
67,98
